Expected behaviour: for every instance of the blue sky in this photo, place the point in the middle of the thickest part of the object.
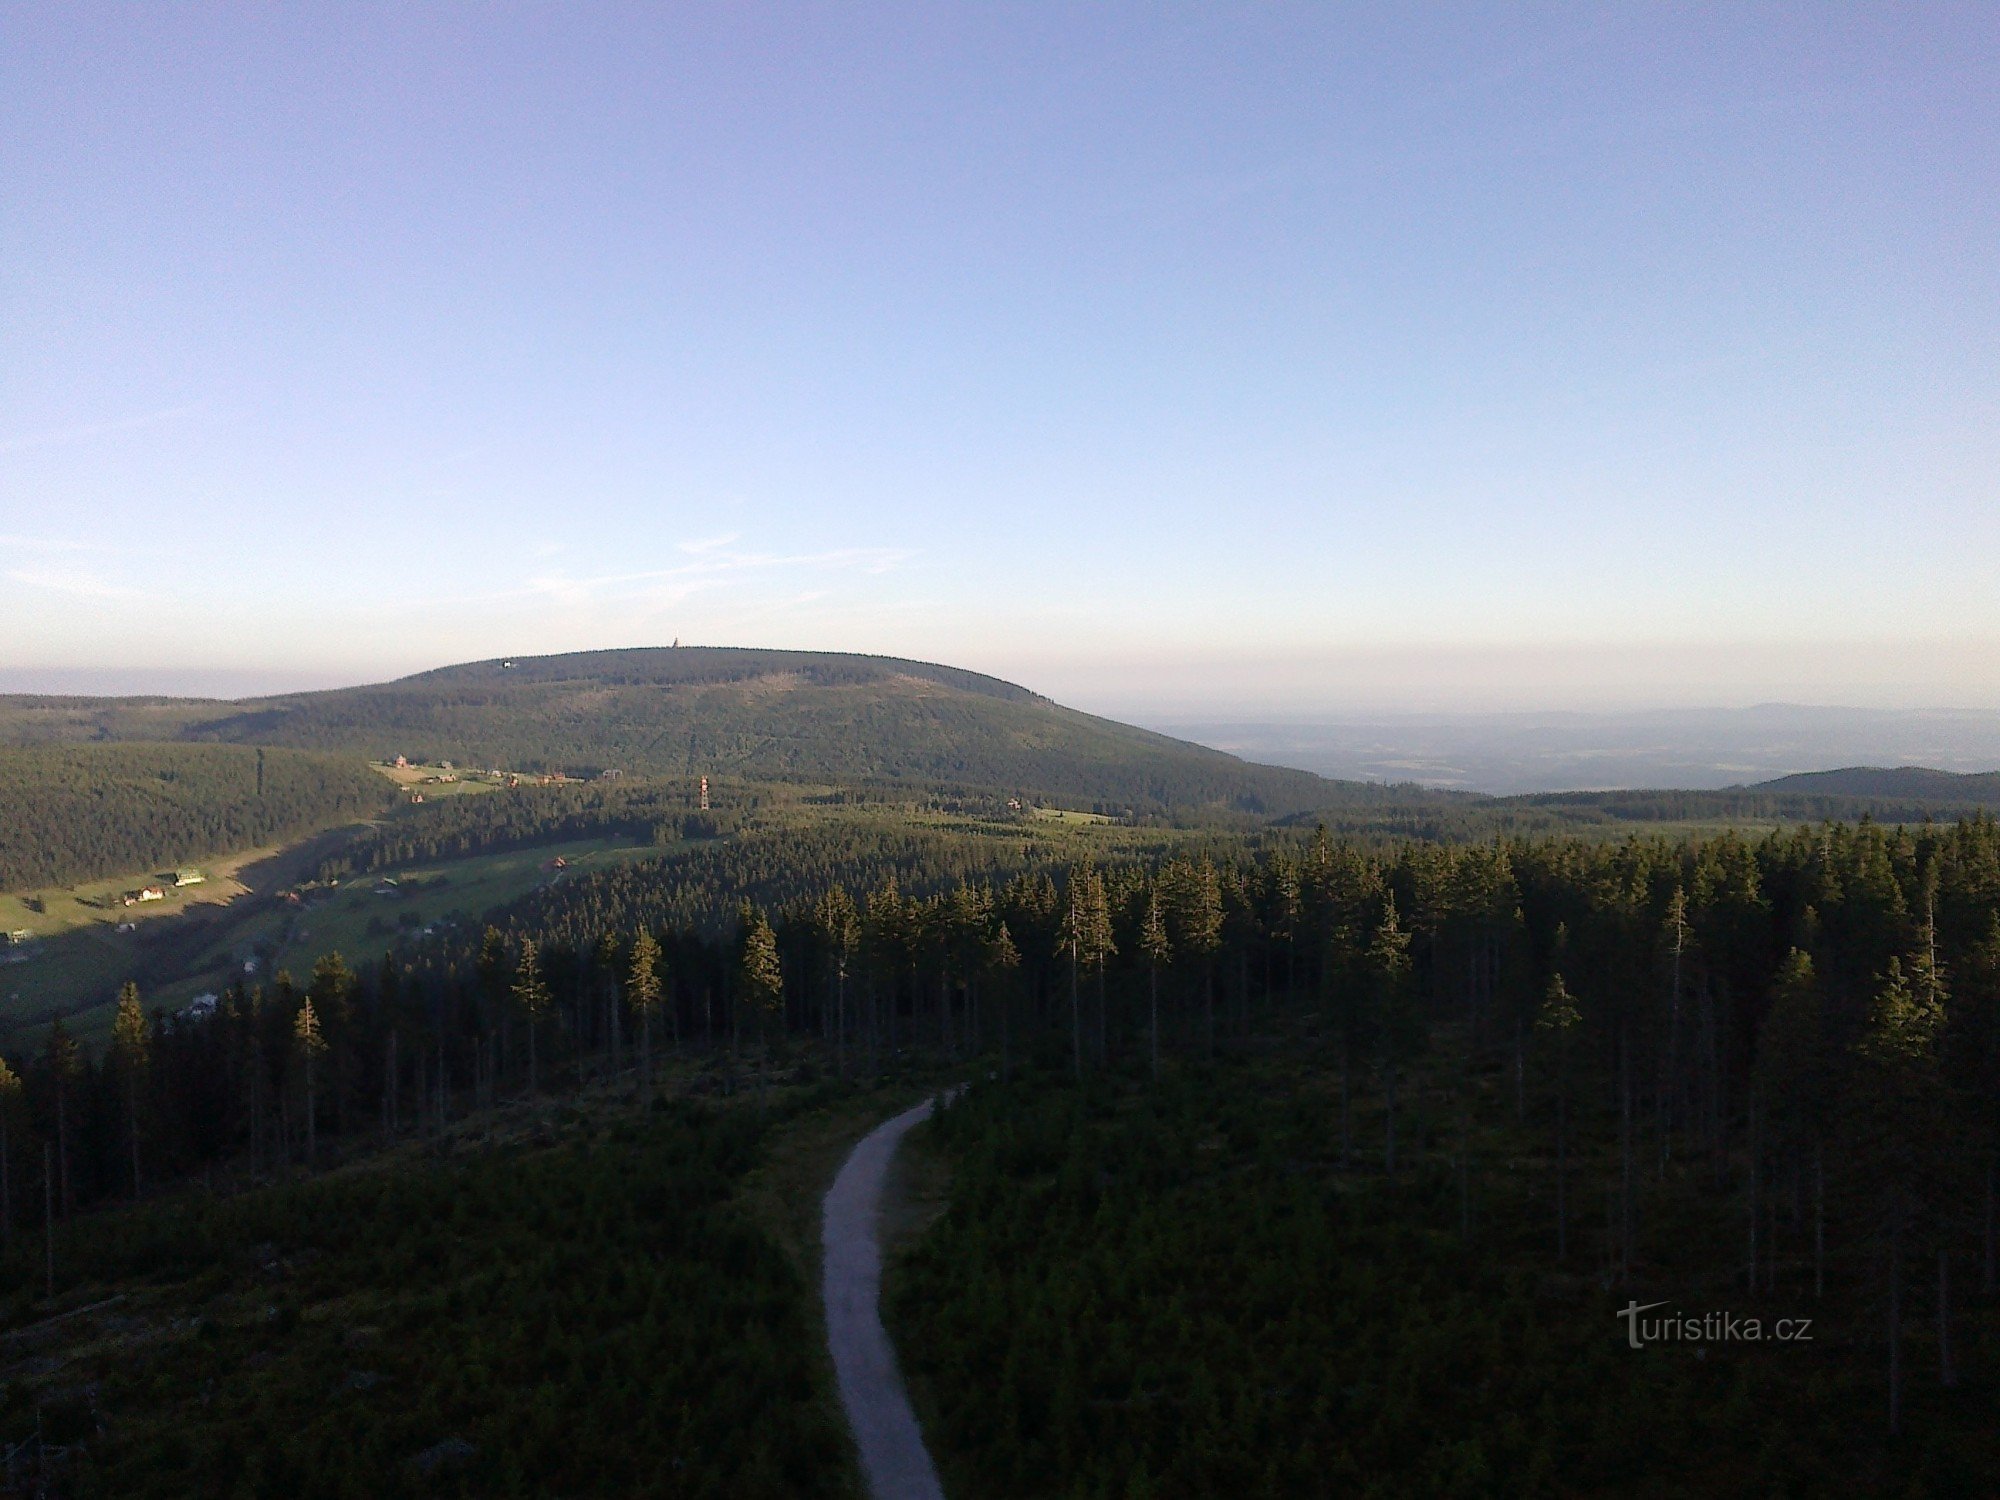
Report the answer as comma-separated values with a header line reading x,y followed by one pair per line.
x,y
1169,359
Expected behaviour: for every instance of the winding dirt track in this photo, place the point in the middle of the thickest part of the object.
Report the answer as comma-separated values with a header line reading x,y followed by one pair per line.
x,y
878,1409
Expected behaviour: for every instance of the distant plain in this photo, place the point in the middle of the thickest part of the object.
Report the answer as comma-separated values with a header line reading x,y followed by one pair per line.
x,y
1698,749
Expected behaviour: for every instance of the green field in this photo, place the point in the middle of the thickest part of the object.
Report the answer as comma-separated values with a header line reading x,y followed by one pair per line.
x,y
1068,816
77,971
52,911
355,921
429,781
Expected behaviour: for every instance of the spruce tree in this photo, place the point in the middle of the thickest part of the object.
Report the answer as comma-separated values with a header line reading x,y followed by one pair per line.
x,y
310,1043
839,933
1901,1127
1001,958
1794,1079
760,979
12,1093
1558,1020
1397,1025
642,993
131,1047
65,1064
531,993
1158,950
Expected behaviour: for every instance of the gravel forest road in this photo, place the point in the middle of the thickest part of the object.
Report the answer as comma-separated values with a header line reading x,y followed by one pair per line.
x,y
893,1456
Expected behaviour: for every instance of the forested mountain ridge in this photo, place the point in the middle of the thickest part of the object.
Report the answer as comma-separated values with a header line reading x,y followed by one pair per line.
x,y
49,719
78,812
673,666
1907,782
791,715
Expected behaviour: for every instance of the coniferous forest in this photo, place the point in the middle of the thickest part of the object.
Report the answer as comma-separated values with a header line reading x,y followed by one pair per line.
x,y
1286,1156
76,812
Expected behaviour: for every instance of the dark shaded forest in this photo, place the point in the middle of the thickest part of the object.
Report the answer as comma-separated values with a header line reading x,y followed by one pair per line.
x,y
1186,1289
523,817
1760,1071
584,1309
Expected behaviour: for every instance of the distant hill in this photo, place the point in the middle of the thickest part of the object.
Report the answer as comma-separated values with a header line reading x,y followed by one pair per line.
x,y
1900,783
791,715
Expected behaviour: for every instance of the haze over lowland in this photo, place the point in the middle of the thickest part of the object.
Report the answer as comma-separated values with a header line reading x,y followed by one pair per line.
x,y
1578,751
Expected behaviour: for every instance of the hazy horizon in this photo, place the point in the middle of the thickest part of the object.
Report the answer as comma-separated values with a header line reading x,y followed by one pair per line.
x,y
1151,703
1500,752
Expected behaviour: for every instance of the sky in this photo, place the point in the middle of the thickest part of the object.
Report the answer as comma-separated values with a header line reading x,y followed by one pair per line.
x,y
1258,360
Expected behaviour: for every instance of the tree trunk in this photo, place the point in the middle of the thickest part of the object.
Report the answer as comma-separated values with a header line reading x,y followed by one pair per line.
x,y
1947,1370
62,1147
1562,1174
1624,1155
1075,1016
1465,1143
1986,1276
132,1121
1819,1219
1755,1174
1670,1063
1103,1020
1712,1027
1006,1039
1389,1110
48,1222
1346,1112
1208,1006
1771,1237
874,1027
1520,1074
840,1023
1896,1323
1154,980
259,1135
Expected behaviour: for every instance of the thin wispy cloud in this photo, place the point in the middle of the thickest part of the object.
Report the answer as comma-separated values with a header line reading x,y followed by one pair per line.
x,y
709,543
16,542
71,582
708,572
711,568
82,431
